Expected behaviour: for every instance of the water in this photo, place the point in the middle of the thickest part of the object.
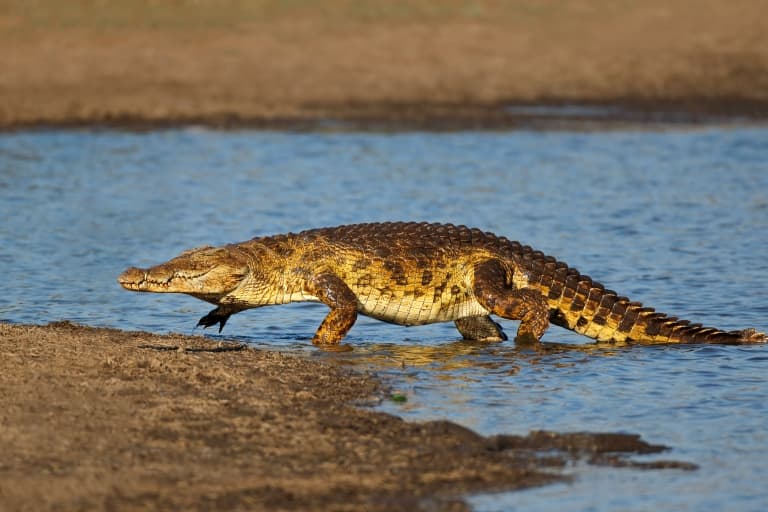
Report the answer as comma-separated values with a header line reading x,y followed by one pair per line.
x,y
676,219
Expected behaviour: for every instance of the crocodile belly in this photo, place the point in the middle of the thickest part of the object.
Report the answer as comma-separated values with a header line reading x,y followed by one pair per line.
x,y
417,310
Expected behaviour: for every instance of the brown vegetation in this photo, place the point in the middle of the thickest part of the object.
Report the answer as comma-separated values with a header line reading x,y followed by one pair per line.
x,y
269,62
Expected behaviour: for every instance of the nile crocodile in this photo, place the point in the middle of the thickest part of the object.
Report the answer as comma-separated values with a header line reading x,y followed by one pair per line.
x,y
412,274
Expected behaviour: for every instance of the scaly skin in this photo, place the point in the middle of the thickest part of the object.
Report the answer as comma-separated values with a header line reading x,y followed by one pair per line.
x,y
411,274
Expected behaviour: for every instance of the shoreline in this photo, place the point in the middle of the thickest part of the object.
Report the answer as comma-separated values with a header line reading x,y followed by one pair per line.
x,y
96,418
399,117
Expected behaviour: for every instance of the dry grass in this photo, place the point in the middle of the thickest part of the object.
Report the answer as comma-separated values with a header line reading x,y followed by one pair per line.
x,y
186,14
263,61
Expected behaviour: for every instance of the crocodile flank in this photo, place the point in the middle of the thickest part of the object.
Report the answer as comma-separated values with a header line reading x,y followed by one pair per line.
x,y
415,273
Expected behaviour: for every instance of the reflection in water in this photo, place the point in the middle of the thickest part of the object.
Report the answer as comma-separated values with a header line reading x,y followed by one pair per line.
x,y
465,360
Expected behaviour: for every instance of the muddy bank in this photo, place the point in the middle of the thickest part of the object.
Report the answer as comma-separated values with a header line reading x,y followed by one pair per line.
x,y
374,64
95,419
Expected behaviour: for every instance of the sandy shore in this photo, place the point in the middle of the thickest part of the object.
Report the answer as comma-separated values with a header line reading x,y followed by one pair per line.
x,y
100,419
375,63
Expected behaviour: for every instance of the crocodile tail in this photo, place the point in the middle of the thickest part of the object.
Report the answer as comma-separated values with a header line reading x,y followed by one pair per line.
x,y
587,307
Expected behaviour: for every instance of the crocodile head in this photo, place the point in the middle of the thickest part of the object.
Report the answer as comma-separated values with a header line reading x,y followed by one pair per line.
x,y
208,273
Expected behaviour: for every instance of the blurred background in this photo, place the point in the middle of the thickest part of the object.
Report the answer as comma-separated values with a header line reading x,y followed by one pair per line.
x,y
280,62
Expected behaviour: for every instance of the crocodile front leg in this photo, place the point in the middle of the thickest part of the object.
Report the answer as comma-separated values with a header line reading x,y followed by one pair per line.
x,y
480,328
494,292
220,315
335,294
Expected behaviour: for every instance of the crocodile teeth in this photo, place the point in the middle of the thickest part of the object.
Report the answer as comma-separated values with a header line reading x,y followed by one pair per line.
x,y
132,278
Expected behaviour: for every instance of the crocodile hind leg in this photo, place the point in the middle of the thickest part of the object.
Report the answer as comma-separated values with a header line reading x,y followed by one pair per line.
x,y
480,328
335,294
495,292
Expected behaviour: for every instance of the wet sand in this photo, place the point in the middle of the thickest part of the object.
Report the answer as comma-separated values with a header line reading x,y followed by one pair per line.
x,y
376,64
101,419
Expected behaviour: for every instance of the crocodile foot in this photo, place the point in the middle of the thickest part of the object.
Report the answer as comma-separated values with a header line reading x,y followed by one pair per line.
x,y
217,316
752,336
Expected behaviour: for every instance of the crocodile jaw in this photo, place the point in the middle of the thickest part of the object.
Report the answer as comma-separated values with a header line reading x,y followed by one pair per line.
x,y
208,273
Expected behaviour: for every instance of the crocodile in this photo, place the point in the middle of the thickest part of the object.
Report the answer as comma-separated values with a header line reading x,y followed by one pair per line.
x,y
410,273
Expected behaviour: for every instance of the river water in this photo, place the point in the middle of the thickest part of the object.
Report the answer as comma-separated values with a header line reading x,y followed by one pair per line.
x,y
677,219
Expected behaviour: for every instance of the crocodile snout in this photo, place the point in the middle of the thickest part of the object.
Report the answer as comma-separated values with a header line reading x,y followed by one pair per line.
x,y
132,278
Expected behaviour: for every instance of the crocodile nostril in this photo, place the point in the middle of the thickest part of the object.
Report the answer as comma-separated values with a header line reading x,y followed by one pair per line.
x,y
131,276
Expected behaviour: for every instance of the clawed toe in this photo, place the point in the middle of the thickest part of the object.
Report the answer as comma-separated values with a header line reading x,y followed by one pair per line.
x,y
213,318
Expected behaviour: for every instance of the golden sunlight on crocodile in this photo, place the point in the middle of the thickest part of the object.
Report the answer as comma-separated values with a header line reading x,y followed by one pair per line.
x,y
412,274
